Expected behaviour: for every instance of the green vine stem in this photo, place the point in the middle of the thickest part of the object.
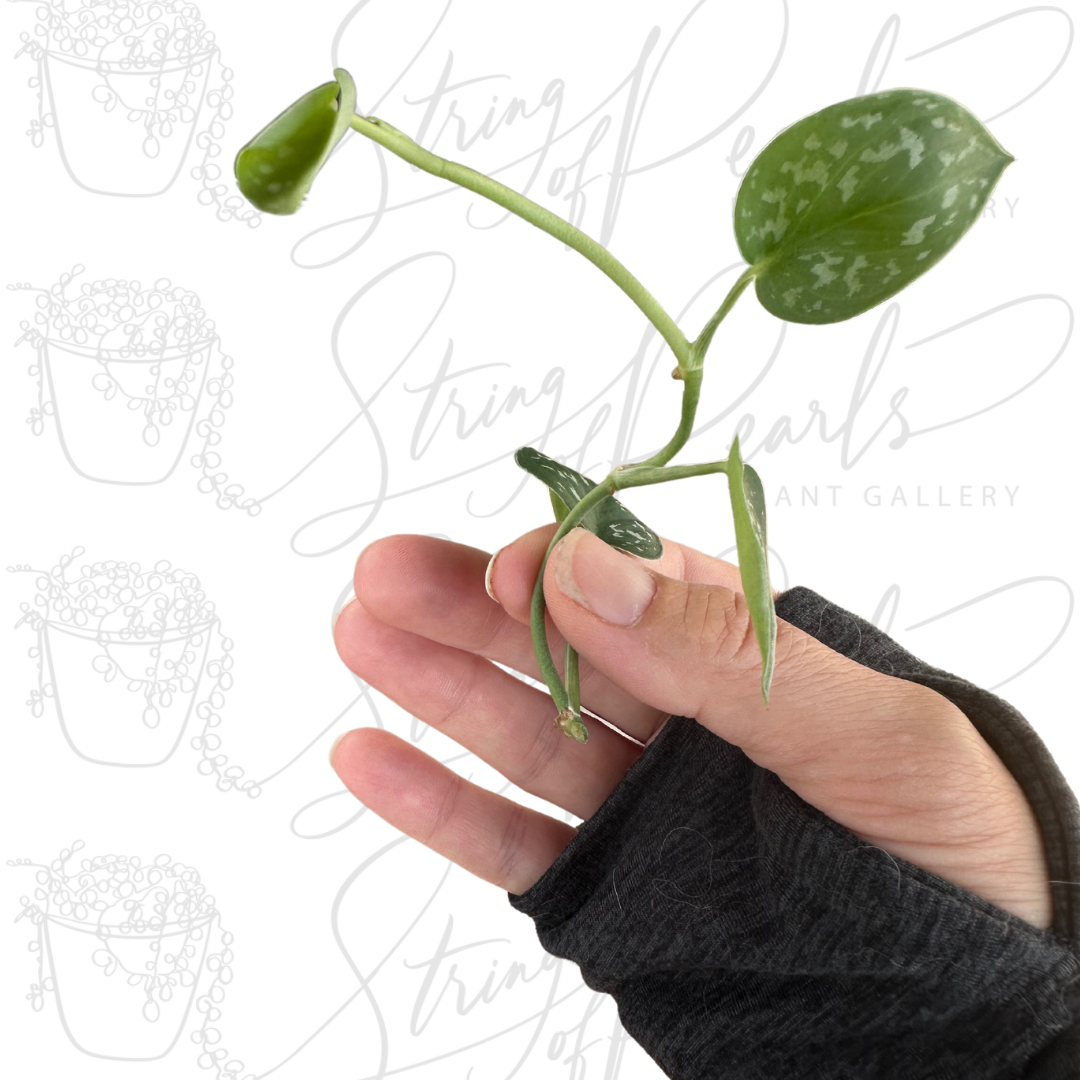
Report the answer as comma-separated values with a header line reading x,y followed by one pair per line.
x,y
690,357
275,170
573,679
625,476
691,395
692,372
379,131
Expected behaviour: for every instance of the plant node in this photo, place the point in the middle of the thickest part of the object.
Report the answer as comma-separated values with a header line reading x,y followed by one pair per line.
x,y
572,725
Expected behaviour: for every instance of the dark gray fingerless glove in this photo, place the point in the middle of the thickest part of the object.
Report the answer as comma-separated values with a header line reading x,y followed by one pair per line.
x,y
747,936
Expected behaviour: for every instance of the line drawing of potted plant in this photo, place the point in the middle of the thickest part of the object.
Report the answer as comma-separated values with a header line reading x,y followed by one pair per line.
x,y
123,946
127,655
131,89
130,375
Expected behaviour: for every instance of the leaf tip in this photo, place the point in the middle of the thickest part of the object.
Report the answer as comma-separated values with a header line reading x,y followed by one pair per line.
x,y
346,88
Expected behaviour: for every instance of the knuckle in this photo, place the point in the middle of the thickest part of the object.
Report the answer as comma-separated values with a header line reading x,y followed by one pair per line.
x,y
511,843
539,757
442,811
453,687
717,621
495,634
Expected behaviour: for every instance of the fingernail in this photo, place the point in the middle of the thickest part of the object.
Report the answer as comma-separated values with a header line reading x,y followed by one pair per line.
x,y
340,608
487,576
601,579
334,746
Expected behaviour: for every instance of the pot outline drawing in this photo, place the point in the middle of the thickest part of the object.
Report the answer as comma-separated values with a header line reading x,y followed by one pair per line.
x,y
87,447
55,77
128,655
133,377
79,725
130,952
158,90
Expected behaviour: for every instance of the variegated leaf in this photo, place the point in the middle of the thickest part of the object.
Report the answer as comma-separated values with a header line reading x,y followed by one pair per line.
x,y
850,205
751,540
609,520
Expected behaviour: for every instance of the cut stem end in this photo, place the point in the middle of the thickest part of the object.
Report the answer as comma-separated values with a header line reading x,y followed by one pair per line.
x,y
572,726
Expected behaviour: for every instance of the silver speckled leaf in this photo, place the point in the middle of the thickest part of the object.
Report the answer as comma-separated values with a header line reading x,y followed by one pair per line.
x,y
748,510
609,520
850,205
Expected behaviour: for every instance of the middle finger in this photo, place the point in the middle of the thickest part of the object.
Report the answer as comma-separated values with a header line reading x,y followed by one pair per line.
x,y
505,722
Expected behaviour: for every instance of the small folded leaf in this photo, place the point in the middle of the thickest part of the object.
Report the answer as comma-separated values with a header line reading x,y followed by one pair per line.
x,y
275,169
609,520
748,510
850,205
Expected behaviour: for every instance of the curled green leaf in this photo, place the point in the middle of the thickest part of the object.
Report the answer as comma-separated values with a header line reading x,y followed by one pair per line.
x,y
275,170
609,519
558,507
850,205
748,510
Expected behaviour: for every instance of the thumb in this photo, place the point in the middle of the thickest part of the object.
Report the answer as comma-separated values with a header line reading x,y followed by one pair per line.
x,y
690,649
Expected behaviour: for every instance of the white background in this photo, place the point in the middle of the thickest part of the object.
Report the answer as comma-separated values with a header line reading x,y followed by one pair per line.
x,y
343,963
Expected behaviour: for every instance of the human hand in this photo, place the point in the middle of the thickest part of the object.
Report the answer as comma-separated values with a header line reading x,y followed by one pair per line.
x,y
892,761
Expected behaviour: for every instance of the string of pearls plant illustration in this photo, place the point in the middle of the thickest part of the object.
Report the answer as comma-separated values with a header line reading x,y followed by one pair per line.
x,y
154,74
128,374
150,931
838,213
109,631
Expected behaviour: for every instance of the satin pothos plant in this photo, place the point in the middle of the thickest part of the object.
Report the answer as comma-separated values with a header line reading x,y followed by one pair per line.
x,y
841,211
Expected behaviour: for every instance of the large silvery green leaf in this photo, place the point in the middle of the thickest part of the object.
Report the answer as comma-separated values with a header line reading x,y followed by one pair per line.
x,y
748,510
848,206
276,168
609,520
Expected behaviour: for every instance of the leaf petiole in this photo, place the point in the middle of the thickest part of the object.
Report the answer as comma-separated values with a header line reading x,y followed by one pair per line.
x,y
701,344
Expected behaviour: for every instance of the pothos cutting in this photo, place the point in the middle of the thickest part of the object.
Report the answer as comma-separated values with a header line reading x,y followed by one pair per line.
x,y
841,211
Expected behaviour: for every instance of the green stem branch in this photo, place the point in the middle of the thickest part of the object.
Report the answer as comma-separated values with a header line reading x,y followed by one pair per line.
x,y
690,359
691,396
704,339
400,144
625,476
691,372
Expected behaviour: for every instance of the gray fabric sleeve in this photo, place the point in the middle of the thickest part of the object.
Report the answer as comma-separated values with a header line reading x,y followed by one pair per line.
x,y
746,936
